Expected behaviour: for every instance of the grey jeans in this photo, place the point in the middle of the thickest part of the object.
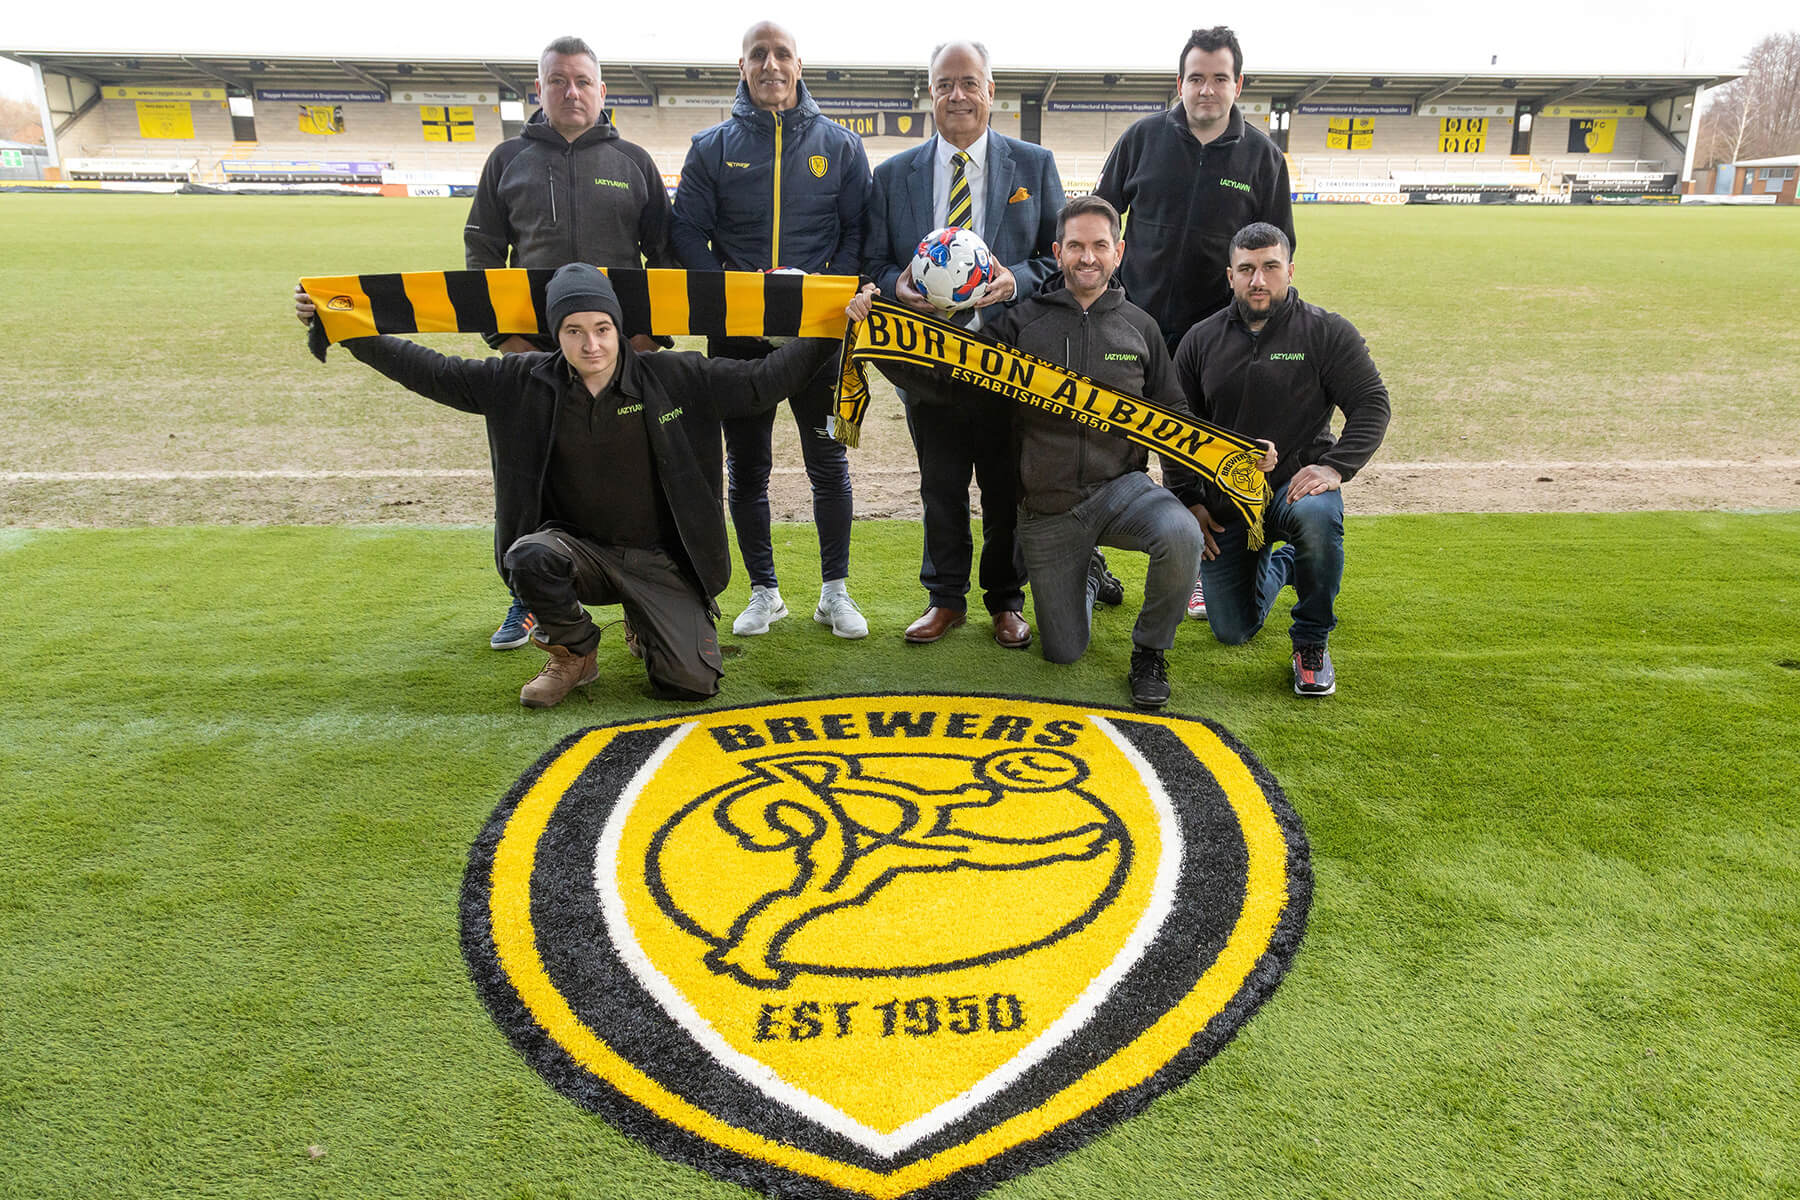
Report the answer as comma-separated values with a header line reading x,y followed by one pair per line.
x,y
1133,512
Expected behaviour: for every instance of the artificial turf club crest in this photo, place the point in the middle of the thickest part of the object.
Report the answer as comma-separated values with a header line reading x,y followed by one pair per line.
x,y
887,945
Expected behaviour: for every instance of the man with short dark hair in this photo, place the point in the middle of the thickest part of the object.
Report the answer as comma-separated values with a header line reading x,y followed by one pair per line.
x,y
1009,193
1273,366
779,186
567,189
1187,179
595,452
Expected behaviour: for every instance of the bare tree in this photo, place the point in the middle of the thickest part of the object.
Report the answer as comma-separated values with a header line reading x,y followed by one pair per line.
x,y
19,121
1757,116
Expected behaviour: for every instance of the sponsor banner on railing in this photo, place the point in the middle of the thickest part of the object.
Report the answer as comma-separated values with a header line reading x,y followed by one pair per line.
x,y
335,169
1644,184
1588,112
613,100
1105,106
1357,197
1452,194
1440,109
1351,185
321,95
876,103
163,167
1355,110
162,93
1615,197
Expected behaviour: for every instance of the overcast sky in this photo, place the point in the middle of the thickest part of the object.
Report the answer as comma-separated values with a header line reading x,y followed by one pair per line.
x,y
1529,35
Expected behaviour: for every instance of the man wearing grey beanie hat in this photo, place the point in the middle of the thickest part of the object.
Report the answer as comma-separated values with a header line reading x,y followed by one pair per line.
x,y
603,454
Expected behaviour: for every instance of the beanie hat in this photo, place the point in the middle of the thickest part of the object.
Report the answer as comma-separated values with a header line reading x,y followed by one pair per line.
x,y
579,287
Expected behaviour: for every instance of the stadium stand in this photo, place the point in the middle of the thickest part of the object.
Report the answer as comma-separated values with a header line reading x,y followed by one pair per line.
x,y
424,127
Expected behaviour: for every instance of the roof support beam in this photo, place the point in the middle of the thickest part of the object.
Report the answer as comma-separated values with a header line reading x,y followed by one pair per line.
x,y
1574,89
1050,87
1310,90
644,82
212,73
81,111
506,79
1443,89
357,73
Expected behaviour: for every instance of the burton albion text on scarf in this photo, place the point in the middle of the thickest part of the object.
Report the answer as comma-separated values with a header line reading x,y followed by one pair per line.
x,y
898,335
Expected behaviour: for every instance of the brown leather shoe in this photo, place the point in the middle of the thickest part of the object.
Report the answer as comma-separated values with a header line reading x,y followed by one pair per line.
x,y
1011,631
933,625
563,672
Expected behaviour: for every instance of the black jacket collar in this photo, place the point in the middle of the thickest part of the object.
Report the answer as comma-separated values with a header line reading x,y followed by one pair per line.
x,y
1278,316
1234,126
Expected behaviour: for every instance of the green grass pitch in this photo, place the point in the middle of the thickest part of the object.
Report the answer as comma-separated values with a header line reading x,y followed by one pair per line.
x,y
1552,812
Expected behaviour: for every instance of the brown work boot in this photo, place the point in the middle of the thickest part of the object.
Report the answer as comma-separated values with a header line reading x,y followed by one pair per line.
x,y
563,672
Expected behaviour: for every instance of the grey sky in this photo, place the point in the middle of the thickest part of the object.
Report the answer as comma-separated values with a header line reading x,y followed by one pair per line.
x,y
1533,35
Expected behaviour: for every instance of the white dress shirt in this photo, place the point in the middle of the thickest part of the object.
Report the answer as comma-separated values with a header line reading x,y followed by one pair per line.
x,y
975,171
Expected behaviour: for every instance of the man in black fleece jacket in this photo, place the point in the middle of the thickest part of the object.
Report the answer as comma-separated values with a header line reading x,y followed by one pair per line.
x,y
594,448
1079,488
567,189
1187,179
1273,366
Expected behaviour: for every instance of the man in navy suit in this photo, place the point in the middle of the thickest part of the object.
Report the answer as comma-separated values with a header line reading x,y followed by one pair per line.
x,y
1014,194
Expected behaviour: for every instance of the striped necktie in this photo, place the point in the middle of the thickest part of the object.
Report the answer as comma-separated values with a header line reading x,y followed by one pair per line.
x,y
961,207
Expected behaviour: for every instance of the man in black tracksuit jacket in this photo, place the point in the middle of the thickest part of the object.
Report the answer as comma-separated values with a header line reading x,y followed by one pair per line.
x,y
1273,366
594,450
779,185
1186,180
567,189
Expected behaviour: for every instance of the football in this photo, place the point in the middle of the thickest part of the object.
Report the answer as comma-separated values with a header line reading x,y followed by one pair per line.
x,y
952,268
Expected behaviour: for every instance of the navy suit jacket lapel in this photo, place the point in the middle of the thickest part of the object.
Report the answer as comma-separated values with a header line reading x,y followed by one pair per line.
x,y
918,190
999,186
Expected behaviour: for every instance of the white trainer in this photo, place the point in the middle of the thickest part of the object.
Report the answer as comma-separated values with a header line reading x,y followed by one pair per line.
x,y
839,611
765,608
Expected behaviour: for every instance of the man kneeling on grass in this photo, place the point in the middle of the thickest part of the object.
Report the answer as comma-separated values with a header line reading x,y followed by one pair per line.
x,y
1273,366
596,444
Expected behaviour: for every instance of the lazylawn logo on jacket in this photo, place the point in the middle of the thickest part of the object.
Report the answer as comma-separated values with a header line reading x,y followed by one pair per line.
x,y
1289,356
1233,183
882,945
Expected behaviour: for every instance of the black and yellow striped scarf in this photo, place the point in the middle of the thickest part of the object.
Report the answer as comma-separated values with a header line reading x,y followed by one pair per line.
x,y
893,334
713,303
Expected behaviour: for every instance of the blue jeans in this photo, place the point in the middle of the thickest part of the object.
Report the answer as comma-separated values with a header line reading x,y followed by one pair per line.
x,y
1241,584
1132,512
749,457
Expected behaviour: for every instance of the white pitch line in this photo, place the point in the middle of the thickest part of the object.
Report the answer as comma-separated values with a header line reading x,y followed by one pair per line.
x,y
1625,464
198,476
1628,464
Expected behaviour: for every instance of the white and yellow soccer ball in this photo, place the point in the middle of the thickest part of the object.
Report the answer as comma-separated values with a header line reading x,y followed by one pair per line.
x,y
953,268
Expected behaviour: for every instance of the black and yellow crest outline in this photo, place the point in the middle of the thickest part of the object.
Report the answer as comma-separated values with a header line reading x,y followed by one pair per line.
x,y
543,990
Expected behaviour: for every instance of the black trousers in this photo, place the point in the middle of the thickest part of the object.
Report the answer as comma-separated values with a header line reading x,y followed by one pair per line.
x,y
971,436
555,572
